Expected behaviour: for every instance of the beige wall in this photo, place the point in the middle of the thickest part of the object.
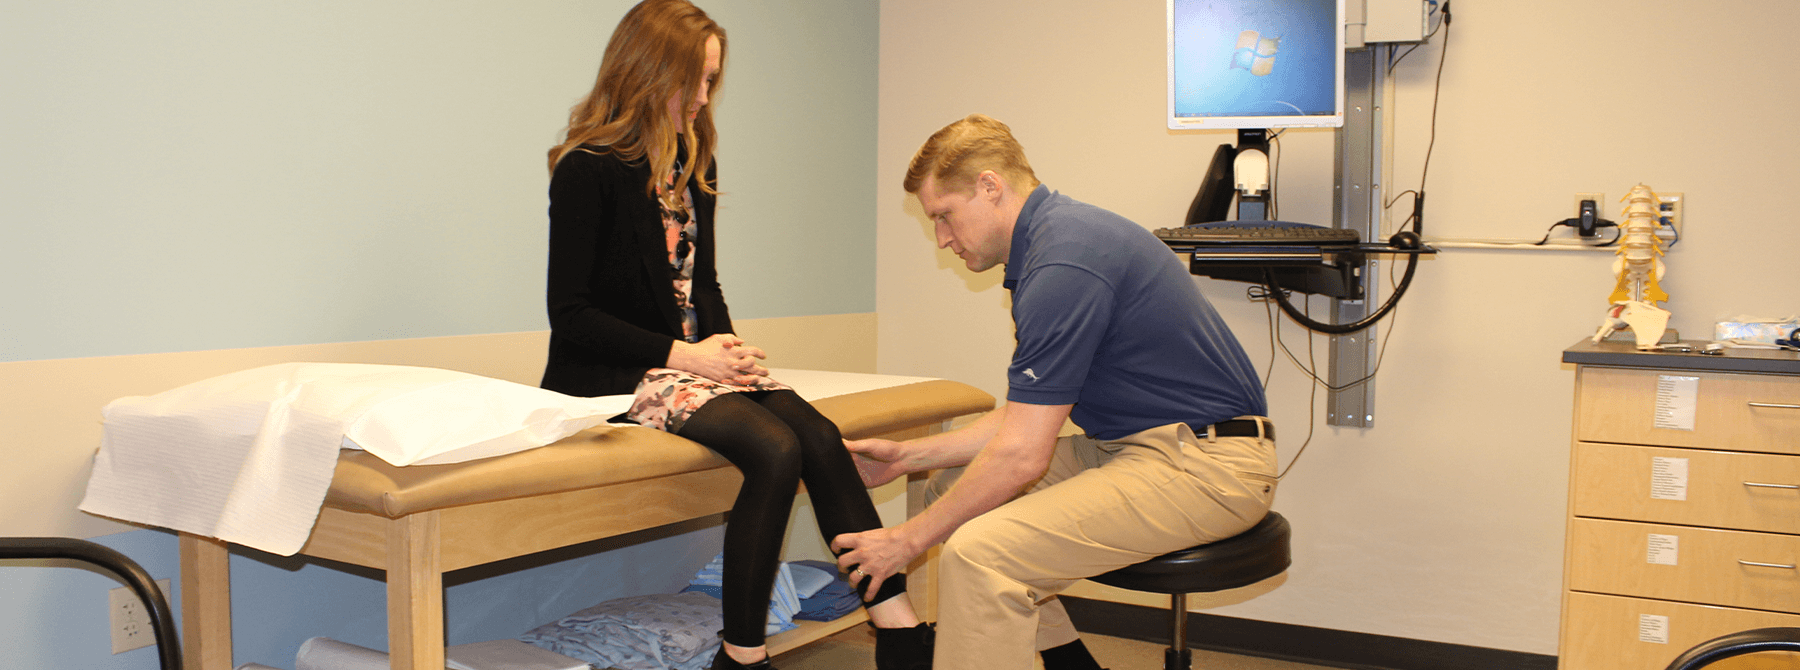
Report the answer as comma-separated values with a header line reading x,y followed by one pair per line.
x,y
51,408
1445,520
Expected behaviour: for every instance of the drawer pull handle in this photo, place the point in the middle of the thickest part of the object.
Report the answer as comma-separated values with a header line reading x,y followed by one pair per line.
x,y
1761,485
1788,566
1774,405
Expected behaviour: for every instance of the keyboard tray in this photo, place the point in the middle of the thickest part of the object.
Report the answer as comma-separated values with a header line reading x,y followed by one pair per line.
x,y
1257,233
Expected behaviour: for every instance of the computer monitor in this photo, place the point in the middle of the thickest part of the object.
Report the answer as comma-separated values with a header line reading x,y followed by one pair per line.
x,y
1252,65
1256,64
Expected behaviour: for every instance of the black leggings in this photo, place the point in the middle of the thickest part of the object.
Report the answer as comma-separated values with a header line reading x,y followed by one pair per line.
x,y
778,440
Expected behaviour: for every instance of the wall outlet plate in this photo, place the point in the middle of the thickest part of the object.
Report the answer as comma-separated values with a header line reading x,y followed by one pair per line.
x,y
131,624
1673,209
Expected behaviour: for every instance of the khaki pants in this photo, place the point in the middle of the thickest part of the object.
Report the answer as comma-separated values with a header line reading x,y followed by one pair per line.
x,y
1100,506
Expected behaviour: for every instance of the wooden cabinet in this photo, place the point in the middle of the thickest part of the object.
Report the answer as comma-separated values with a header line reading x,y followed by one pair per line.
x,y
1684,505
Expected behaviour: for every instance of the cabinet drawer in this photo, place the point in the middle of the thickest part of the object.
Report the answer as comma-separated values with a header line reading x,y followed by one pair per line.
x,y
1614,633
1738,412
1712,567
1724,489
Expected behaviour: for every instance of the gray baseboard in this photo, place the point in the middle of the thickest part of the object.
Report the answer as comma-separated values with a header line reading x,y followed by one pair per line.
x,y
1303,644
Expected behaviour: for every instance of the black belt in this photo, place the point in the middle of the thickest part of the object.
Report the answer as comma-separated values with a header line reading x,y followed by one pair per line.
x,y
1240,428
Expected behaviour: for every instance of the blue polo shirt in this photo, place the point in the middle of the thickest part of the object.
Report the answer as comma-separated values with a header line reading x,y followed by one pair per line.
x,y
1109,320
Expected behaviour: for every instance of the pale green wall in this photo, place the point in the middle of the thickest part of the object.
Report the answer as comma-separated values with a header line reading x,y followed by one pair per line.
x,y
198,175
206,175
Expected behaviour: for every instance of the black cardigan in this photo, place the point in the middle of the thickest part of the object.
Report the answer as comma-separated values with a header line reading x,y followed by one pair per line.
x,y
611,293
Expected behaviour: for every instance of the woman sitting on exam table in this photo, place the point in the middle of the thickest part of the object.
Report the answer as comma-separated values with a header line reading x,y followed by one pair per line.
x,y
635,307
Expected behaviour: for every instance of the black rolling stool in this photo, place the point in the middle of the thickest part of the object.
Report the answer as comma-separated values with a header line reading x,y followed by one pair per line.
x,y
162,619
1255,555
1738,644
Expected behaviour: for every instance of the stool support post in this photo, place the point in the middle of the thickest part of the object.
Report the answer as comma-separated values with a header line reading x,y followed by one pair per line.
x,y
1177,660
1177,656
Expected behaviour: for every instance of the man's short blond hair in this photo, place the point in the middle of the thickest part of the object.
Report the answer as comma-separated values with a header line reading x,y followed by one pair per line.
x,y
959,152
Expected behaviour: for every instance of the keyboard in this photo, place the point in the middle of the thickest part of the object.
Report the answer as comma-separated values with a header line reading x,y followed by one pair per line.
x,y
1257,233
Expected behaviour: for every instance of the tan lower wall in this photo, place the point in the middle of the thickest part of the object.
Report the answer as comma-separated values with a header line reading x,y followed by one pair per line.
x,y
50,410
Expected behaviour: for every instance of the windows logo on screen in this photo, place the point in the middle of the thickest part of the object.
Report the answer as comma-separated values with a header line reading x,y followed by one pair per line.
x,y
1255,53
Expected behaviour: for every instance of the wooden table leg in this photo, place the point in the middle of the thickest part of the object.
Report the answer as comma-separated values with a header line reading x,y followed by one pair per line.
x,y
205,603
415,591
921,577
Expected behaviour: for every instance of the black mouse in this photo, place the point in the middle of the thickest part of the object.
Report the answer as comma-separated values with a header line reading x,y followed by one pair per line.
x,y
1404,239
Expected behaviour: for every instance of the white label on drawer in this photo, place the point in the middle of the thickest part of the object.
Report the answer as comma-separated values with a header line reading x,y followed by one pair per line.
x,y
1653,628
1663,549
1675,401
1668,478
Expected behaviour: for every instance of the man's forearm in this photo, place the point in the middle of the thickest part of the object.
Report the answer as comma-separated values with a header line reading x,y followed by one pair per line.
x,y
1020,441
991,479
955,448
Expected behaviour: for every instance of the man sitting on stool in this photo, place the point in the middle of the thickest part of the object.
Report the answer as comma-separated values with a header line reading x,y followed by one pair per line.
x,y
1113,334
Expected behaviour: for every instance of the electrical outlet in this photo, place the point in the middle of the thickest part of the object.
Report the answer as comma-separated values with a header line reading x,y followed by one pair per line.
x,y
131,625
1588,229
1671,207
1600,204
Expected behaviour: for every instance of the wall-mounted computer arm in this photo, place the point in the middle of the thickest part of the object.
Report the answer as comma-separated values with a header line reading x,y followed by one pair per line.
x,y
1250,174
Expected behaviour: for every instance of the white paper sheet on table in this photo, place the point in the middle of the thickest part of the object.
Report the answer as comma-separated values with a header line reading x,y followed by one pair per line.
x,y
247,457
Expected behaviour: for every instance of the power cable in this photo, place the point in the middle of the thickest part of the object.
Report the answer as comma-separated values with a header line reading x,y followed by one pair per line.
x,y
1416,220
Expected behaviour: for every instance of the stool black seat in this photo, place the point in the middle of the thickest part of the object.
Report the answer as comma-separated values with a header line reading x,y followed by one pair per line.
x,y
1244,559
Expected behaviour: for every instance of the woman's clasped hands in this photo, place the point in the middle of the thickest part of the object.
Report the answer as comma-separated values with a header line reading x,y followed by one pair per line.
x,y
723,357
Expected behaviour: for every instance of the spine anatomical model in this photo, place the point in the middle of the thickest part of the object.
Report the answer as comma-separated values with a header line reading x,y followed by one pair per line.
x,y
1640,262
1639,268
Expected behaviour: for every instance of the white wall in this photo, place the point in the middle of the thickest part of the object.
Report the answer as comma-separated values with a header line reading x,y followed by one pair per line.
x,y
1444,521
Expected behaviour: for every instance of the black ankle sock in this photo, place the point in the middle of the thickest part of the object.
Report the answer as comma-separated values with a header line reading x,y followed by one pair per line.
x,y
904,648
892,587
1071,656
724,661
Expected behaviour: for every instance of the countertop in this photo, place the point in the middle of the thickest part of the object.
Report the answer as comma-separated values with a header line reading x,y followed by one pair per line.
x,y
1626,355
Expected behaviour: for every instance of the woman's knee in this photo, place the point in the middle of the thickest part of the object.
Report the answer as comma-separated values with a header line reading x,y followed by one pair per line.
x,y
754,440
821,434
804,419
777,452
817,435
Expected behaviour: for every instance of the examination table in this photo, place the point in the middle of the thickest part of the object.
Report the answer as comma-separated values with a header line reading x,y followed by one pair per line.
x,y
418,522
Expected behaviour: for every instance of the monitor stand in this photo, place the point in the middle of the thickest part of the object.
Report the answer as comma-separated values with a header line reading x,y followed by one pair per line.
x,y
1250,174
1237,173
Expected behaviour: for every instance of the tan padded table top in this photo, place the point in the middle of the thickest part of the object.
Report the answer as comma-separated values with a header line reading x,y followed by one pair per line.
x,y
609,455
